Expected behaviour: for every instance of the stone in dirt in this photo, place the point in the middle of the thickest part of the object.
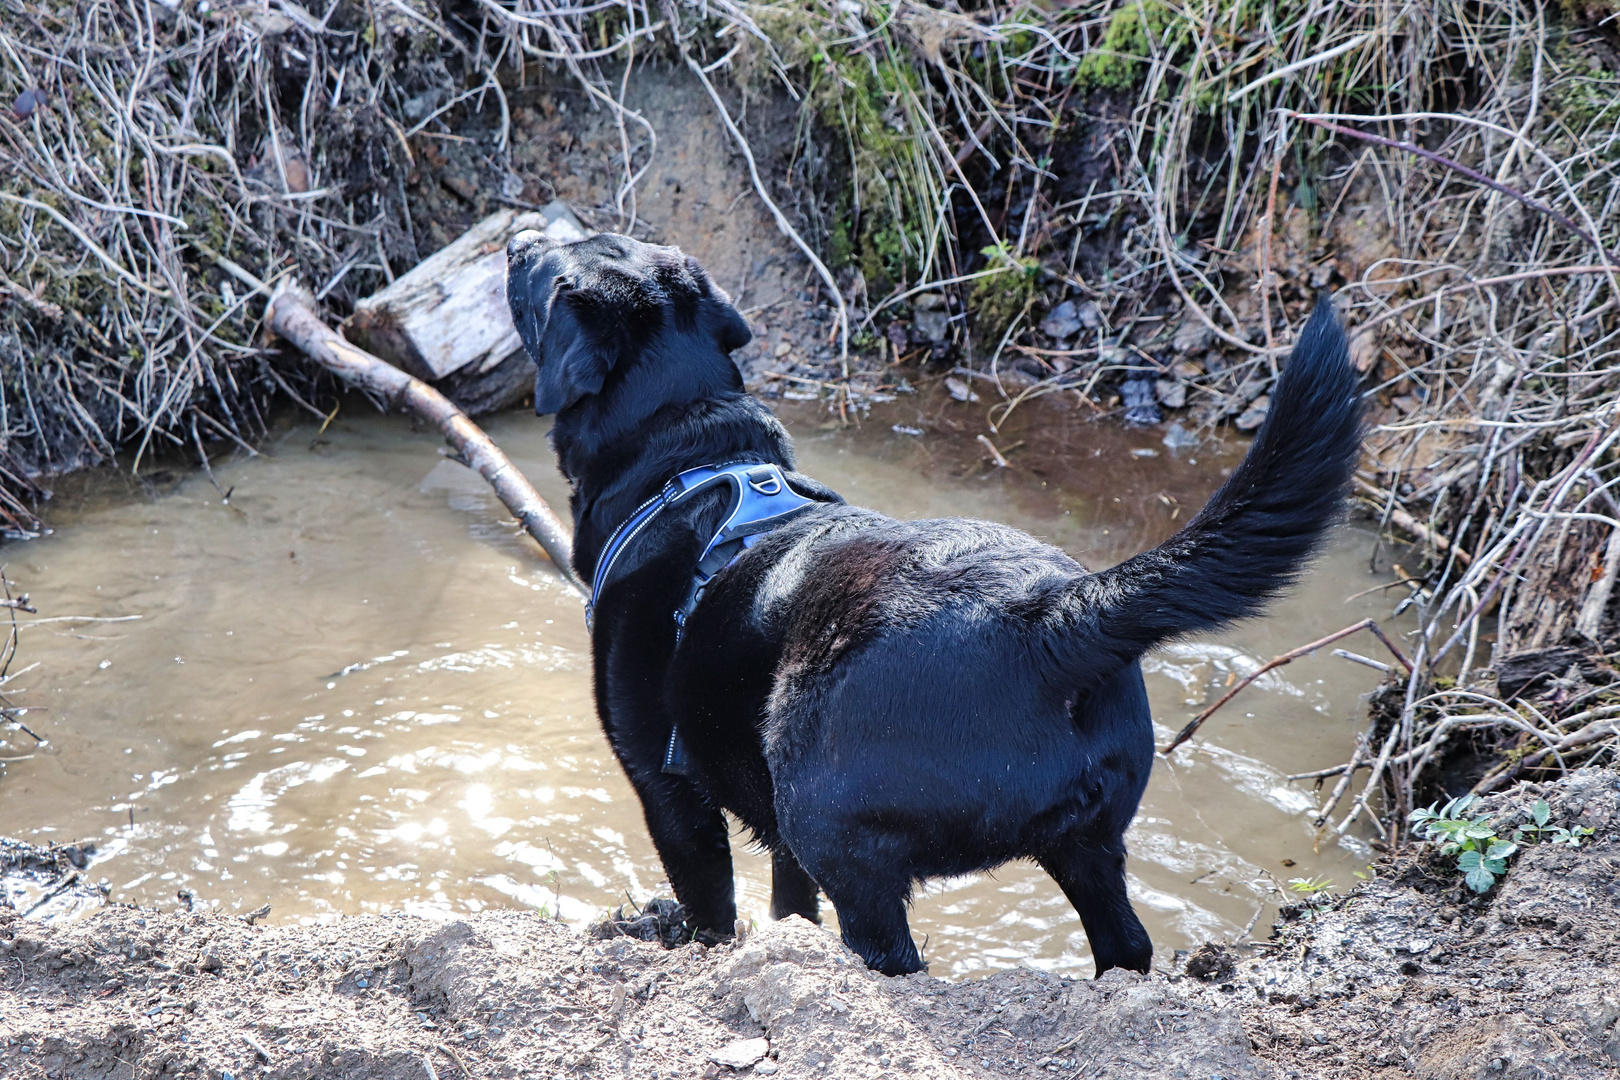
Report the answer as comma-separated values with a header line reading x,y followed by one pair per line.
x,y
1138,394
1171,394
1255,415
932,325
1063,322
1179,438
742,1053
1192,337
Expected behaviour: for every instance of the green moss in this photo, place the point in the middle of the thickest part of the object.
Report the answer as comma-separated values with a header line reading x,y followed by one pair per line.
x,y
1583,101
1588,10
1115,64
860,113
1001,298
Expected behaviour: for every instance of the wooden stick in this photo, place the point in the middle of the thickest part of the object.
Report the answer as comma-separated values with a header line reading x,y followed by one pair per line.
x,y
292,315
1363,744
1372,784
1412,525
1277,662
1001,461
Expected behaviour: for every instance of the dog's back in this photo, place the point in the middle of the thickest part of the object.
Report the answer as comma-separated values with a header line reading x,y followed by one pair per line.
x,y
847,577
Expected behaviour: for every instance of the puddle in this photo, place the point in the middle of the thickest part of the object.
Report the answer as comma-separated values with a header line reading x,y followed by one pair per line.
x,y
354,689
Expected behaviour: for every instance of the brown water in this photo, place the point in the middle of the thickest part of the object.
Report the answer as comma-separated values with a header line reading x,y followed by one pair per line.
x,y
355,689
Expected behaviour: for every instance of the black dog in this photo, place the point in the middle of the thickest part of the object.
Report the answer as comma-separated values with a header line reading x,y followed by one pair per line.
x,y
878,701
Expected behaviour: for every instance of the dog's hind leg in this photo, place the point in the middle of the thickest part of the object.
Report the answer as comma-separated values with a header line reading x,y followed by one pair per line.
x,y
793,892
872,918
1092,876
869,892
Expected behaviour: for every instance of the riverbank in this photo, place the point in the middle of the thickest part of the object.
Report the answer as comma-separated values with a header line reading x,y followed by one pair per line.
x,y
1407,974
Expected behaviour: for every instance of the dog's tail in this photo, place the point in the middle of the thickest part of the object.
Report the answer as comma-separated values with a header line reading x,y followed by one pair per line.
x,y
1250,541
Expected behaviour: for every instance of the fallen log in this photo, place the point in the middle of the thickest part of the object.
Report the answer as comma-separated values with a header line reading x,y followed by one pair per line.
x,y
292,315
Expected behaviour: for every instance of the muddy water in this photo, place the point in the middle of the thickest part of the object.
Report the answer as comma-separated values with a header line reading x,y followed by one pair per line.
x,y
353,688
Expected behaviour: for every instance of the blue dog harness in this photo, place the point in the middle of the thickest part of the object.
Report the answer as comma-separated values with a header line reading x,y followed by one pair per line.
x,y
760,501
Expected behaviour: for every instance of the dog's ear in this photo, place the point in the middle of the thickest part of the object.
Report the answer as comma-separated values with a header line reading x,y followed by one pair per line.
x,y
528,291
720,317
733,332
583,366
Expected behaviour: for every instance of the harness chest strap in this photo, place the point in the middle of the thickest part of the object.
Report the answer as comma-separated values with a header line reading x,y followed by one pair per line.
x,y
761,499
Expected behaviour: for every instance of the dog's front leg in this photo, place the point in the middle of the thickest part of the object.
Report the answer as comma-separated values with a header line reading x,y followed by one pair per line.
x,y
692,841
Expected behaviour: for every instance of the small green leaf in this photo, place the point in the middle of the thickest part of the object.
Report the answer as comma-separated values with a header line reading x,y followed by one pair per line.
x,y
1495,866
1501,849
1541,811
1480,832
1480,879
1469,861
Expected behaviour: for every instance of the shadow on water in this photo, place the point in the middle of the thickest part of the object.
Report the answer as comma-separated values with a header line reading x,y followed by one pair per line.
x,y
354,688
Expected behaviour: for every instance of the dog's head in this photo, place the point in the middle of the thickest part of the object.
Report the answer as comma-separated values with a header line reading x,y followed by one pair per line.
x,y
591,311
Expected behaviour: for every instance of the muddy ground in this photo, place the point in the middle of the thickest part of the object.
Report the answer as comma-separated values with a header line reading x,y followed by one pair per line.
x,y
1407,975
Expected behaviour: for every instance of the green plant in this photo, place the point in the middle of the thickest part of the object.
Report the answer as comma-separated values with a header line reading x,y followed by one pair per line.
x,y
1315,896
1127,43
1482,855
1552,834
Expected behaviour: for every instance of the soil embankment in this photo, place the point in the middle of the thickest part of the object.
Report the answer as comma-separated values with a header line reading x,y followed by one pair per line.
x,y
1409,974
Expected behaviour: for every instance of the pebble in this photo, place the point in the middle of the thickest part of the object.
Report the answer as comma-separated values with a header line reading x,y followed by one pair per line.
x,y
742,1053
1063,322
1255,414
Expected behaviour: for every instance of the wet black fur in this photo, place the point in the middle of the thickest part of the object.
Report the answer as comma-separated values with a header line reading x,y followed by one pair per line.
x,y
880,701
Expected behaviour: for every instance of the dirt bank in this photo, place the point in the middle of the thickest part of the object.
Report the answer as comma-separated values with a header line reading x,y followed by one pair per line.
x,y
1409,974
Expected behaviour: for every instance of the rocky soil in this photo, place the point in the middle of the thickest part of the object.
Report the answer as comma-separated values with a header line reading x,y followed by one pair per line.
x,y
1408,975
